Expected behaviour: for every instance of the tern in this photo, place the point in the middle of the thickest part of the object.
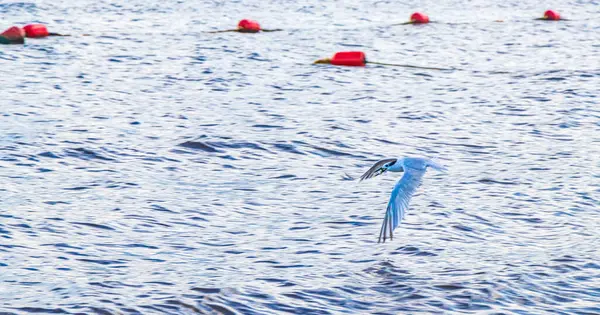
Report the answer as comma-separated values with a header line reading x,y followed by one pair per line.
x,y
414,168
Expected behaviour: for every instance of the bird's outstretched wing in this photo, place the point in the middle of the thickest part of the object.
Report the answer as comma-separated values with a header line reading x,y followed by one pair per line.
x,y
396,209
373,171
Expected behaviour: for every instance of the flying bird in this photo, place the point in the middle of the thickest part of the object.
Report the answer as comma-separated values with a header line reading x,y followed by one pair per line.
x,y
414,169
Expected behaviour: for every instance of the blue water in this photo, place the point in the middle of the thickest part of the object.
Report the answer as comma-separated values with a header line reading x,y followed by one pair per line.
x,y
151,168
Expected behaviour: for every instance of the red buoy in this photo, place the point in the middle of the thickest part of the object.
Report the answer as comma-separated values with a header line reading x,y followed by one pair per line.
x,y
35,30
551,15
349,58
248,26
346,58
419,18
13,35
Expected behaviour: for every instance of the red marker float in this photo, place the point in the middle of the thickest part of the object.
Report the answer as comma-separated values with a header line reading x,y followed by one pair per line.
x,y
247,26
416,18
551,15
35,30
13,35
419,18
358,59
346,58
38,31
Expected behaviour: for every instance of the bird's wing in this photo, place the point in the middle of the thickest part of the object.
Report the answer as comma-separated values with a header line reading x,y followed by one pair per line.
x,y
372,171
396,209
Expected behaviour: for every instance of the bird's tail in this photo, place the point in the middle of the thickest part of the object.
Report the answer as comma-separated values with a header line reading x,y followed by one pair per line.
x,y
436,166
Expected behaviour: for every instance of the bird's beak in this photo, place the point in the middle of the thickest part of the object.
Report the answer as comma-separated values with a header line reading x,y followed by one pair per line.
x,y
380,171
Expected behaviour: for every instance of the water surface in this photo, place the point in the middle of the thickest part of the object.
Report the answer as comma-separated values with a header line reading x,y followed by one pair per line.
x,y
153,168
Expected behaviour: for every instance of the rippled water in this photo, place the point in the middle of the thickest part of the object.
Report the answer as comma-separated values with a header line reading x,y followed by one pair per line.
x,y
154,168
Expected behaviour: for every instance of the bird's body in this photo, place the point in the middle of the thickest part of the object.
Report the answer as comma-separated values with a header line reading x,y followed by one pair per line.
x,y
414,169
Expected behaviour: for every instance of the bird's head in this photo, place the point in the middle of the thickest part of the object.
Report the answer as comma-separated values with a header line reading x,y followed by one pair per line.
x,y
395,166
384,168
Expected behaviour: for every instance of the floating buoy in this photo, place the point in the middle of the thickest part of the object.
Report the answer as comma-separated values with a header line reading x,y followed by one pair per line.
x,y
419,18
13,35
248,26
551,15
358,59
346,58
35,31
40,31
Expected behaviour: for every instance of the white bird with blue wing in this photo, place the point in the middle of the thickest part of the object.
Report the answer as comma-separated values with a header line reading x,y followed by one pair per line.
x,y
414,169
